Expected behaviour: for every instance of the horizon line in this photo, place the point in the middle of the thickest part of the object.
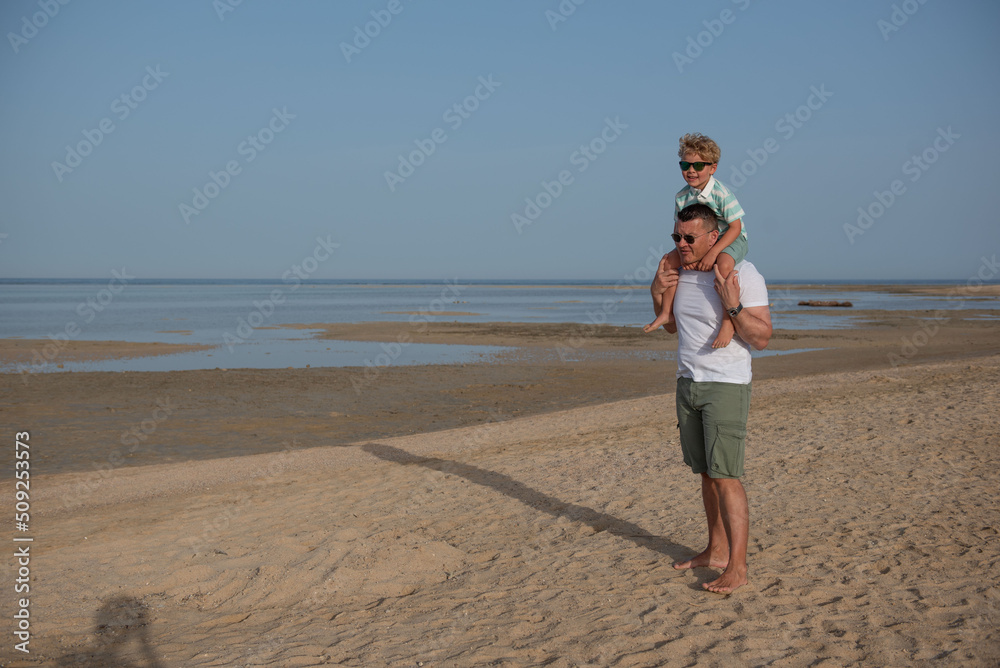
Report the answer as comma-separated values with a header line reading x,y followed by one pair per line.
x,y
528,281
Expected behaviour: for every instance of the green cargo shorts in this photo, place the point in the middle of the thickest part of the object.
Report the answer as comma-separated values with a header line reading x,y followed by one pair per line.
x,y
738,249
712,418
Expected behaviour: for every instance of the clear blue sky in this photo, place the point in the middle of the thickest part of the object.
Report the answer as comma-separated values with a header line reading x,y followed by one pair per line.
x,y
925,84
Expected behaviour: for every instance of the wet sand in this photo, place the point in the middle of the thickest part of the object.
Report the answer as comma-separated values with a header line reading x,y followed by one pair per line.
x,y
519,513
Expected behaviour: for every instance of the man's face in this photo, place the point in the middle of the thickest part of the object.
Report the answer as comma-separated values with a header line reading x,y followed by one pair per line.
x,y
694,178
699,246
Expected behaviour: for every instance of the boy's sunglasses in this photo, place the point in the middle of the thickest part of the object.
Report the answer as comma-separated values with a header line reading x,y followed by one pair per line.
x,y
698,166
688,238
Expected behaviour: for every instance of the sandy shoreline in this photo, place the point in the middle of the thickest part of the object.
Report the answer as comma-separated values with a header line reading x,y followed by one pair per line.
x,y
522,513
97,421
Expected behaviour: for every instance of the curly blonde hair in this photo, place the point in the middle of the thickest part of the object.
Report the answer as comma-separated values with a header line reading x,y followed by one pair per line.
x,y
700,144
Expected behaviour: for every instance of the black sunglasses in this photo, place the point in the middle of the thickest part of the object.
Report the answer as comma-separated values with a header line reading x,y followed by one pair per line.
x,y
698,166
688,238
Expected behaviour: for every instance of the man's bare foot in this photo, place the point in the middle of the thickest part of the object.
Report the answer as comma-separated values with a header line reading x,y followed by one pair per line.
x,y
703,560
725,336
727,582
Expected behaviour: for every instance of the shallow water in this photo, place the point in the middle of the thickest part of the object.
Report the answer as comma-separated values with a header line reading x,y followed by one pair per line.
x,y
243,318
296,354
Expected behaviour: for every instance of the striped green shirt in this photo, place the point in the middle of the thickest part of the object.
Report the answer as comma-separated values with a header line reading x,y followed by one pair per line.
x,y
719,198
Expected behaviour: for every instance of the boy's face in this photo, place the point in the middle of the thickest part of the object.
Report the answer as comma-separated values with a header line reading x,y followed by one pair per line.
x,y
697,179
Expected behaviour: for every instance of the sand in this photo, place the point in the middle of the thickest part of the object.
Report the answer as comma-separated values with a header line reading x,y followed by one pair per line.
x,y
522,513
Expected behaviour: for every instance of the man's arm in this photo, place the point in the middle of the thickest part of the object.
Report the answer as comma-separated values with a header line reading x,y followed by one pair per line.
x,y
753,324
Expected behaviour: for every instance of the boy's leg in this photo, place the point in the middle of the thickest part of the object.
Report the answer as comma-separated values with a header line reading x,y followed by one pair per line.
x,y
667,309
725,264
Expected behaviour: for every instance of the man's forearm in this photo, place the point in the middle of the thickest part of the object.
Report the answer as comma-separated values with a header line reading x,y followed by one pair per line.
x,y
753,328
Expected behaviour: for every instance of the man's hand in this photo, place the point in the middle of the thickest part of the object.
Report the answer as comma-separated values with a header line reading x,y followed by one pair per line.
x,y
753,324
728,288
665,278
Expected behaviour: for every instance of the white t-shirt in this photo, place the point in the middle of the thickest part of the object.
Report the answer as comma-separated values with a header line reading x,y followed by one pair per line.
x,y
698,313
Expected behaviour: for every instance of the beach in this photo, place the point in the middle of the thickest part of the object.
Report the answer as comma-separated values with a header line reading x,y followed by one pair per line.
x,y
520,512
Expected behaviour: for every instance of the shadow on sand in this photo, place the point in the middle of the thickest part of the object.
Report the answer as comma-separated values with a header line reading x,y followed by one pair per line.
x,y
535,499
121,626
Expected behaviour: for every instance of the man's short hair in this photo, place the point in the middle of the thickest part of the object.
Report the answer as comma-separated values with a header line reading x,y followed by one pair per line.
x,y
702,212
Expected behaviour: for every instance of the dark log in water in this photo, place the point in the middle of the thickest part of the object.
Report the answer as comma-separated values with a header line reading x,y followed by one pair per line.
x,y
817,302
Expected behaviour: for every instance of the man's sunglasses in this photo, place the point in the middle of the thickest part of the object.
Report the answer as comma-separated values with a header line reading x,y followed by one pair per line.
x,y
688,238
698,166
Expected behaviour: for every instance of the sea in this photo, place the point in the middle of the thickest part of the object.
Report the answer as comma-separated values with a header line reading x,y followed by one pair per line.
x,y
243,319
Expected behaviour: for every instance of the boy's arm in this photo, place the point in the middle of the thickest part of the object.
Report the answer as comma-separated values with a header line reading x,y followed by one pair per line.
x,y
721,243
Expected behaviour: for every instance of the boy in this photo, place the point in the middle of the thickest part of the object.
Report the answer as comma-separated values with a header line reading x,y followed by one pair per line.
x,y
699,160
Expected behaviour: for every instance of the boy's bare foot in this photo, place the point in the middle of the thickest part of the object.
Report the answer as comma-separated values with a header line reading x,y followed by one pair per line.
x,y
727,582
659,322
703,560
726,333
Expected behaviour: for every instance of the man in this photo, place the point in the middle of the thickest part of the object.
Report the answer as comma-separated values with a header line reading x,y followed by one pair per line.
x,y
713,385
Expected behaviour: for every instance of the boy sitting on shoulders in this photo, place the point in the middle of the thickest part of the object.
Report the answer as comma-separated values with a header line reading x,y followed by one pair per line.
x,y
699,160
